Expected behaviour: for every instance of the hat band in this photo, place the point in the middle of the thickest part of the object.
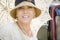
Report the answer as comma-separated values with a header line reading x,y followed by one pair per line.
x,y
19,1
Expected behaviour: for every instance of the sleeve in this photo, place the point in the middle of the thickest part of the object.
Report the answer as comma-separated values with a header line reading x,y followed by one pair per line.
x,y
10,32
5,34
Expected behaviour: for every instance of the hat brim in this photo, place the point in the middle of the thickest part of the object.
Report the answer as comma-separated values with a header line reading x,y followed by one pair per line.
x,y
25,3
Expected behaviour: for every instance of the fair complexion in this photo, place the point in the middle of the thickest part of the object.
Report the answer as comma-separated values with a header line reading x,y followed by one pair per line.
x,y
24,16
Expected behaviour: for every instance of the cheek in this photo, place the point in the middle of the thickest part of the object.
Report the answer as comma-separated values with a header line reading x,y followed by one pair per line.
x,y
32,13
19,13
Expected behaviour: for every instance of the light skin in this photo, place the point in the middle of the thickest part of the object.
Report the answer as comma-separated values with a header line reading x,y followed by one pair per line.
x,y
24,16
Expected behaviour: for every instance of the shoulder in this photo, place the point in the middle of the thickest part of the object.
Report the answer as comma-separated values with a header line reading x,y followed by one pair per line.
x,y
6,31
7,28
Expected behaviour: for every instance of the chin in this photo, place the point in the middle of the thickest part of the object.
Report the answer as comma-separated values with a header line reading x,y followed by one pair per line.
x,y
26,21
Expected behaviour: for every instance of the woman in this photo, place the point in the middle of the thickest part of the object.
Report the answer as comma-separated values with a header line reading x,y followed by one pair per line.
x,y
21,29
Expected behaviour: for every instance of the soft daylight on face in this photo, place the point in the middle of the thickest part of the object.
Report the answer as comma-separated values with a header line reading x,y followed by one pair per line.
x,y
25,14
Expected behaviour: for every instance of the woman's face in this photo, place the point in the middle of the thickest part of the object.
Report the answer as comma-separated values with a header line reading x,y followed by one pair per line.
x,y
25,14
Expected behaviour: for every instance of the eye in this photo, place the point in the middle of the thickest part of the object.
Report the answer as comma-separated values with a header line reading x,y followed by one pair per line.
x,y
30,7
20,8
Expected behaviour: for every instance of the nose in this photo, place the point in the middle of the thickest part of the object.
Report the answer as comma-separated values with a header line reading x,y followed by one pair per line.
x,y
25,11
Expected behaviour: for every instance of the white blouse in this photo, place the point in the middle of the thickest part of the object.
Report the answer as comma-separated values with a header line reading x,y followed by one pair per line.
x,y
12,32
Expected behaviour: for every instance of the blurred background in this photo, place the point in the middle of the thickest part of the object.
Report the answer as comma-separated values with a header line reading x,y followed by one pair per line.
x,y
49,31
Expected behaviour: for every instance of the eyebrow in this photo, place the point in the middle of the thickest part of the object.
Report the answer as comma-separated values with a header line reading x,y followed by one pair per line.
x,y
27,6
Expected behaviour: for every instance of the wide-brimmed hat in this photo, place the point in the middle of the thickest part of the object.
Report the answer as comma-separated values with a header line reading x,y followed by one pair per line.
x,y
25,3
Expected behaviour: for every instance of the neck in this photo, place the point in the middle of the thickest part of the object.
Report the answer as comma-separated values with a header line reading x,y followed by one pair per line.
x,y
25,27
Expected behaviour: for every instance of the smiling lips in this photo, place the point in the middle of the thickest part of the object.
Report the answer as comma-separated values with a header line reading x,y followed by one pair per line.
x,y
25,17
